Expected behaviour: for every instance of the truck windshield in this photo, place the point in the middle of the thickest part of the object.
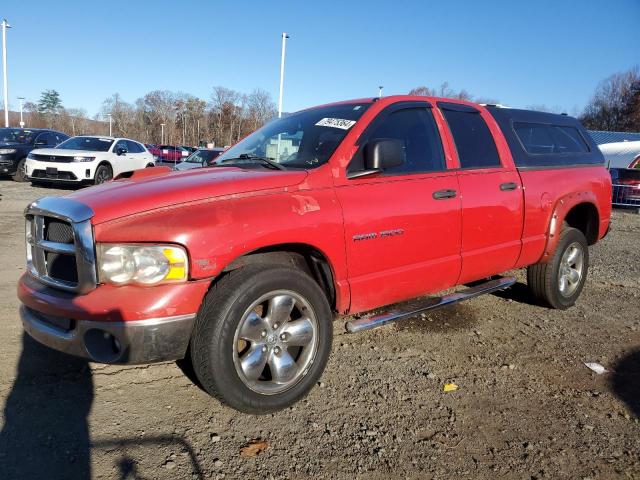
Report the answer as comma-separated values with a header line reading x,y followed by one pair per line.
x,y
94,144
302,140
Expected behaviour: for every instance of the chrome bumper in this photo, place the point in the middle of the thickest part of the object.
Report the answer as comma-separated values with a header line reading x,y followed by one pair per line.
x,y
132,342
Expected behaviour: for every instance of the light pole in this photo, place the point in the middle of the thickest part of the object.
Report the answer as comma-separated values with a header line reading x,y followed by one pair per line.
x,y
21,121
162,134
284,47
5,25
380,87
184,127
110,120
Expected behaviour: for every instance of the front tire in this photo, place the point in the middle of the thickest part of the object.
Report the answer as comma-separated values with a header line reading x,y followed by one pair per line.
x,y
103,174
558,283
21,174
262,338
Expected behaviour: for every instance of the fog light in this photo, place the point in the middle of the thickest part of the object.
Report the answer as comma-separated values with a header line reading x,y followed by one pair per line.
x,y
87,173
102,346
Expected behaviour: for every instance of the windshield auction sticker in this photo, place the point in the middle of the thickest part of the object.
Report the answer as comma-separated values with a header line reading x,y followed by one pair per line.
x,y
336,123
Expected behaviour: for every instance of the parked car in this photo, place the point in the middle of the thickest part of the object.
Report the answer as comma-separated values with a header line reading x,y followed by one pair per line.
x,y
87,159
170,155
626,186
153,150
203,157
16,143
623,161
239,269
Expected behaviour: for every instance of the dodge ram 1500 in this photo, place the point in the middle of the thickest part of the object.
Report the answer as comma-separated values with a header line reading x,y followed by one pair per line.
x,y
238,270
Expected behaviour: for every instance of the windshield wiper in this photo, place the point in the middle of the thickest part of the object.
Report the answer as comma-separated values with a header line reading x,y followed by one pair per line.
x,y
267,162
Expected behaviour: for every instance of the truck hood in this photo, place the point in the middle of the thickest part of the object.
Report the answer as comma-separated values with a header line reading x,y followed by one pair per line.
x,y
152,190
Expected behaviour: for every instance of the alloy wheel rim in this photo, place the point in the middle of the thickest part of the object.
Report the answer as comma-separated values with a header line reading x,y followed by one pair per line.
x,y
275,342
571,269
103,176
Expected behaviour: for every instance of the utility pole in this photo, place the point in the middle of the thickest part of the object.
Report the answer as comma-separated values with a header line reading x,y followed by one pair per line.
x,y
21,99
162,134
5,25
110,130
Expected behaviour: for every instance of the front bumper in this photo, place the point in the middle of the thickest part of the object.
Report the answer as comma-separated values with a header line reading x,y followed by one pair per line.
x,y
8,164
132,342
68,172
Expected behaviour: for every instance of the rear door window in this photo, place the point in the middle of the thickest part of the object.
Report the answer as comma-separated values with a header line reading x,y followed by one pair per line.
x,y
472,137
133,147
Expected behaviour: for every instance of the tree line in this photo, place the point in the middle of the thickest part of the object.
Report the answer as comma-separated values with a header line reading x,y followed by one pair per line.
x,y
229,115
188,120
614,106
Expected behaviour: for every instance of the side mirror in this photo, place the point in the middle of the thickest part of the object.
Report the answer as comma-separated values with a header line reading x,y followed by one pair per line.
x,y
121,151
384,153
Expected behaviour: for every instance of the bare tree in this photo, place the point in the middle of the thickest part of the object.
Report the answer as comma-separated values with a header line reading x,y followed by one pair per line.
x,y
615,105
444,91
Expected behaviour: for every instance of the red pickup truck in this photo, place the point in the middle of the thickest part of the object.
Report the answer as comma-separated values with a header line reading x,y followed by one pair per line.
x,y
240,268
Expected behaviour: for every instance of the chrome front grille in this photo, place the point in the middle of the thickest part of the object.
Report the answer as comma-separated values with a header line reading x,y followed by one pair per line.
x,y
60,246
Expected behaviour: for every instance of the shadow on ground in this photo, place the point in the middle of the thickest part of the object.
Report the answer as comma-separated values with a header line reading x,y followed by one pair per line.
x,y
625,381
45,434
450,318
518,292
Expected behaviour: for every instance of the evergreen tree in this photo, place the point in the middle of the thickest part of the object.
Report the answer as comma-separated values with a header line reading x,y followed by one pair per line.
x,y
49,102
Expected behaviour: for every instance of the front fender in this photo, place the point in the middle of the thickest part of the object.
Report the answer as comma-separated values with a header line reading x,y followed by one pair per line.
x,y
217,231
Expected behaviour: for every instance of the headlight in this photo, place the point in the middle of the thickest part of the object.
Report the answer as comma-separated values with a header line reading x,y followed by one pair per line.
x,y
143,264
4,151
83,159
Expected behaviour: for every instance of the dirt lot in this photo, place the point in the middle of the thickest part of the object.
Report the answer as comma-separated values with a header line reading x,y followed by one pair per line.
x,y
526,406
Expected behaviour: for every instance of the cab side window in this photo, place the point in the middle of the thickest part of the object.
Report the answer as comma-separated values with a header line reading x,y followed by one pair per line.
x,y
417,130
473,139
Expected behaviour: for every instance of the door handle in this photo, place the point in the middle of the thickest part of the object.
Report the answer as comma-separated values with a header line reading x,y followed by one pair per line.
x,y
444,194
505,187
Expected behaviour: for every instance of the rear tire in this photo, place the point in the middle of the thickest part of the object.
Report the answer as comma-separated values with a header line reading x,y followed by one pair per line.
x,y
103,174
559,282
21,174
262,338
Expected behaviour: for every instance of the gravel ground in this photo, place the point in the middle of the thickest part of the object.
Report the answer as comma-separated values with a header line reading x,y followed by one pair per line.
x,y
526,406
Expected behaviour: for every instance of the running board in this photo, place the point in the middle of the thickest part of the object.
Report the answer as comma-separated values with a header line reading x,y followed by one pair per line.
x,y
430,304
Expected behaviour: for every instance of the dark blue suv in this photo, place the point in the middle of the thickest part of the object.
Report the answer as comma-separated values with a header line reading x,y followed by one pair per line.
x,y
16,143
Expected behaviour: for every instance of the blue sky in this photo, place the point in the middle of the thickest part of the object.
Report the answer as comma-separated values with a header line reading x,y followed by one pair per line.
x,y
522,53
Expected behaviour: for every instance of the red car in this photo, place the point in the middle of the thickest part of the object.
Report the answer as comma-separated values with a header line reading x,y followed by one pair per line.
x,y
154,150
170,154
240,269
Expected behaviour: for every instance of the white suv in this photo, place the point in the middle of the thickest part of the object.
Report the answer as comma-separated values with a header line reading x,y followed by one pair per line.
x,y
87,159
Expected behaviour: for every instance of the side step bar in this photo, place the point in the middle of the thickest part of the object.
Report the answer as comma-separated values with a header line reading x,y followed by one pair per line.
x,y
430,304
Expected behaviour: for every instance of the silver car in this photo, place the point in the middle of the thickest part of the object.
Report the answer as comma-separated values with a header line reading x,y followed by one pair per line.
x,y
203,157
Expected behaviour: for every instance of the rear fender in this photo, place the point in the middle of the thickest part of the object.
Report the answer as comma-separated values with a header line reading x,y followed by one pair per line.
x,y
560,211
